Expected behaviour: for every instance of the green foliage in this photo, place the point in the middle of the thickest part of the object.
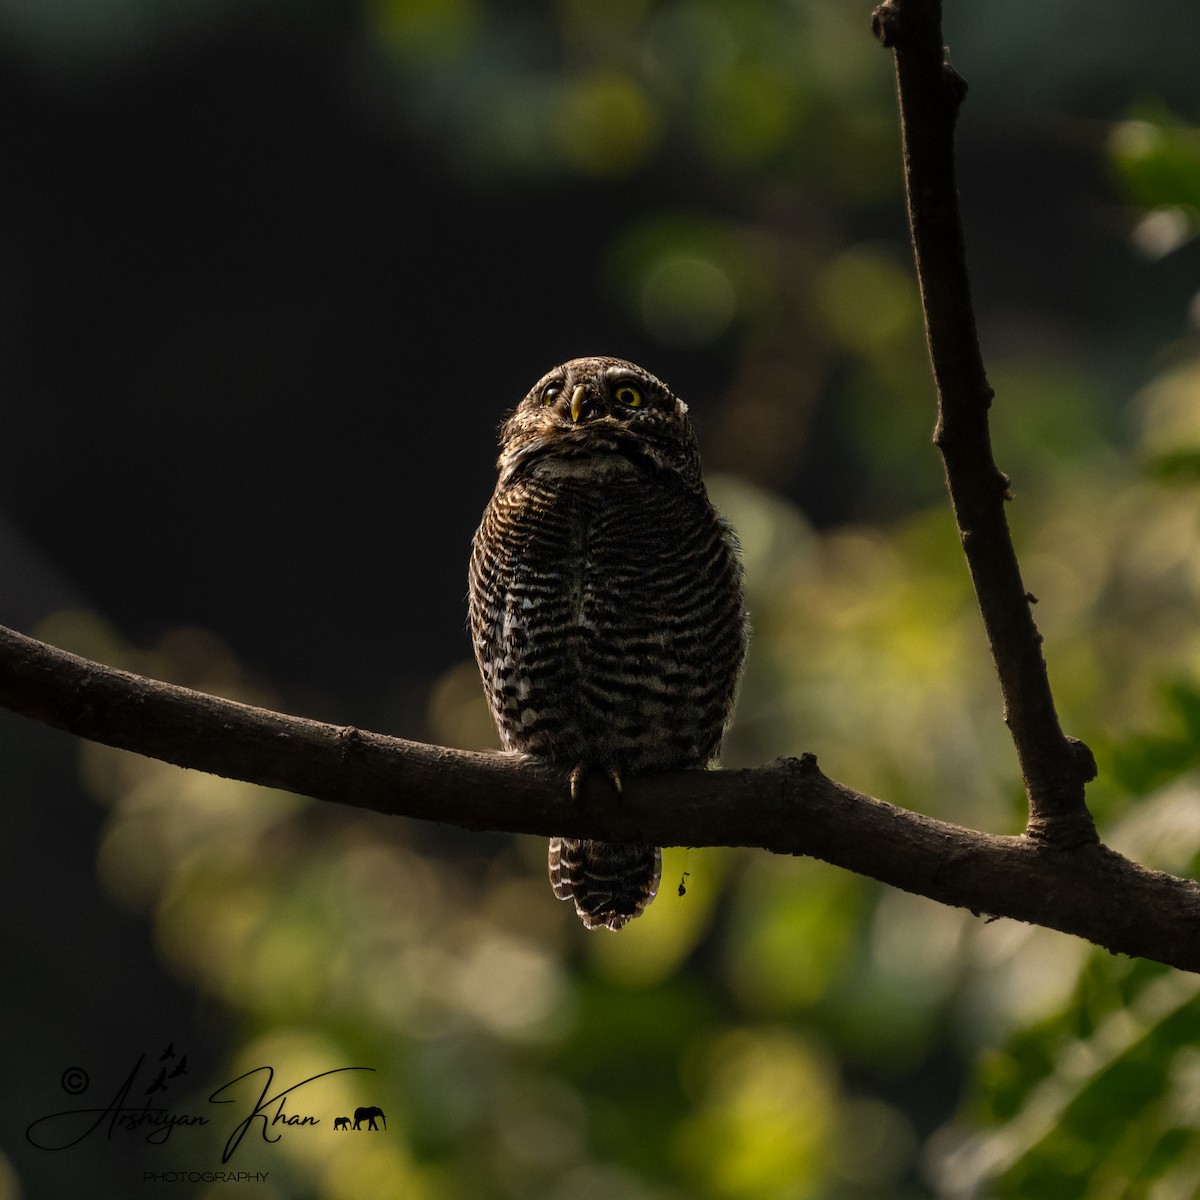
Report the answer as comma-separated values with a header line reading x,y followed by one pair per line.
x,y
1096,1095
1157,157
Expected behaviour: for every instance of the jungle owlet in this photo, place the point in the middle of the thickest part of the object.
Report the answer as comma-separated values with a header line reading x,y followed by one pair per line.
x,y
606,604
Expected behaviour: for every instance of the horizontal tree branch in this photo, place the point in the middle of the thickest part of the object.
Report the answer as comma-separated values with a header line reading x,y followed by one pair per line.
x,y
788,807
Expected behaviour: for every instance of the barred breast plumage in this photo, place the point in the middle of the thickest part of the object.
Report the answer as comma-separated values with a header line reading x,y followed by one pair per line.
x,y
606,604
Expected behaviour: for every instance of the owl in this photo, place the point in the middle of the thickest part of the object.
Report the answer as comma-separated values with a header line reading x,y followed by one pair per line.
x,y
606,605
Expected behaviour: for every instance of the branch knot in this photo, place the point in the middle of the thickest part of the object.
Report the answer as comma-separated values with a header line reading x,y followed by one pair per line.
x,y
1084,759
887,24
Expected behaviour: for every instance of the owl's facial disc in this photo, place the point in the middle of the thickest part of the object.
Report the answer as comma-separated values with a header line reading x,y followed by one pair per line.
x,y
613,395
595,416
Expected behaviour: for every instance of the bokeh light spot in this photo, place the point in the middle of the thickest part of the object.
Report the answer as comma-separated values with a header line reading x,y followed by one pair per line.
x,y
687,300
607,125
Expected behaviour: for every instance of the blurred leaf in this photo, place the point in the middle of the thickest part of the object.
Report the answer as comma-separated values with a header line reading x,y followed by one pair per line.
x,y
607,124
1169,411
687,280
1157,157
764,1127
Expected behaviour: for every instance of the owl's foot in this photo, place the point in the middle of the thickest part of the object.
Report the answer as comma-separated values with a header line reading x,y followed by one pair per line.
x,y
579,774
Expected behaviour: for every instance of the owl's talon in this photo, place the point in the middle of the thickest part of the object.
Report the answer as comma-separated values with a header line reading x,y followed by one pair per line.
x,y
579,774
577,778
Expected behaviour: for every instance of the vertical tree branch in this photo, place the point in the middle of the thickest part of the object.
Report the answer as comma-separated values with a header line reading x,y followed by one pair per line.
x,y
1055,767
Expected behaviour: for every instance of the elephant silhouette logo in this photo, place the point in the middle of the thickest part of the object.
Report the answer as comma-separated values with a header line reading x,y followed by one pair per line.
x,y
341,1123
368,1115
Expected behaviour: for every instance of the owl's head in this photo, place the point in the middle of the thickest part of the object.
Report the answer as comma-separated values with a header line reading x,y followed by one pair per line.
x,y
596,415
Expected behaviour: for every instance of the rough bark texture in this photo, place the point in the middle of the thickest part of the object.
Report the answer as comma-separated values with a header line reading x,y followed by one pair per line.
x,y
788,806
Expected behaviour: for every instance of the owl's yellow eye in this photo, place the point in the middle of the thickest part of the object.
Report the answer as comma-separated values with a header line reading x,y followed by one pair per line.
x,y
626,393
551,392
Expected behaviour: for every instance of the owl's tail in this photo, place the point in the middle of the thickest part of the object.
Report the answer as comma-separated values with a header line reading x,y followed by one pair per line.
x,y
610,882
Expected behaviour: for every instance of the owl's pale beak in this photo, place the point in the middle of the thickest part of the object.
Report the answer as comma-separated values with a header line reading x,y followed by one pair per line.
x,y
577,402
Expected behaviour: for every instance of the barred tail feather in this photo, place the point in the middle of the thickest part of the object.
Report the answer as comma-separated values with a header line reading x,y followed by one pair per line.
x,y
610,882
